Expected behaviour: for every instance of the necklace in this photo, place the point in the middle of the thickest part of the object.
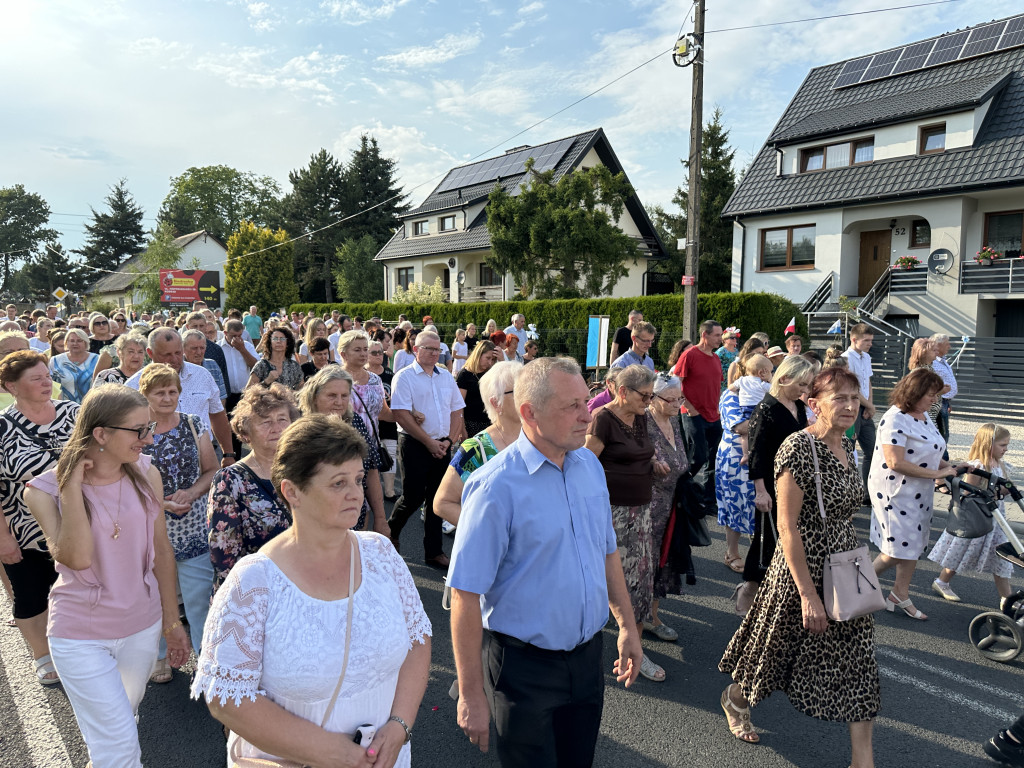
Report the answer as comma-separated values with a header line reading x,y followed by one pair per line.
x,y
259,465
116,523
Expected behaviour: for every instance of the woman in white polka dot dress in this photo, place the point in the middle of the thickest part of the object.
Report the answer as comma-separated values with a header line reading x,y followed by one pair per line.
x,y
906,462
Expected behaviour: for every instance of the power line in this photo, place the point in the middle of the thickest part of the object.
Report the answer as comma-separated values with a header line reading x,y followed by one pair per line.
x,y
832,16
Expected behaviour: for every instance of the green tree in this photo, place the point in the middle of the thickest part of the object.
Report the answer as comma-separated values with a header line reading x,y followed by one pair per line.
x,y
117,235
560,239
420,293
318,199
356,276
717,183
262,279
44,272
23,219
218,198
370,181
162,253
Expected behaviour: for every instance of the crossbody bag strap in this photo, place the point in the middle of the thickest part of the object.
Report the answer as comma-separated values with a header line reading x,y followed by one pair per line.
x,y
817,475
348,629
373,426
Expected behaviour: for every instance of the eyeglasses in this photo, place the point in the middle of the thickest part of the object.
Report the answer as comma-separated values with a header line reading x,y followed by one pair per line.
x,y
430,349
645,396
282,339
142,432
639,340
377,352
671,401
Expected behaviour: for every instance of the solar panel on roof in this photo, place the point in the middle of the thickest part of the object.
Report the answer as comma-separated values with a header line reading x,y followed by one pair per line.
x,y
983,39
852,72
1014,34
882,65
947,49
914,57
546,157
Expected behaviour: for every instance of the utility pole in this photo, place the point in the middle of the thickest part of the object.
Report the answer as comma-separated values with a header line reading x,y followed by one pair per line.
x,y
693,194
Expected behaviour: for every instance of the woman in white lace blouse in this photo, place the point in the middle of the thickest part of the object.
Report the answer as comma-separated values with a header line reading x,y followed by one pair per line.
x,y
274,642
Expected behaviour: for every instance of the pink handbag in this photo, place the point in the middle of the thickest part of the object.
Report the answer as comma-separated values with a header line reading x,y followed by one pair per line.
x,y
237,761
849,582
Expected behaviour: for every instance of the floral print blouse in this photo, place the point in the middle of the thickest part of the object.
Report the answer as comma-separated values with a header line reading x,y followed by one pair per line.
x,y
244,513
175,454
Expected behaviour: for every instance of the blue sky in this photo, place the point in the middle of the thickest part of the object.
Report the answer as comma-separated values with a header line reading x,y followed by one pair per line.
x,y
97,91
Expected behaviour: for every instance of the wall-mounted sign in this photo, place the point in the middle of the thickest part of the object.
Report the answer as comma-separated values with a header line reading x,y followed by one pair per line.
x,y
180,287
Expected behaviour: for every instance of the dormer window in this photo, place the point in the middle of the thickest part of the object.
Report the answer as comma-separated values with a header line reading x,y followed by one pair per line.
x,y
933,139
420,228
837,155
447,224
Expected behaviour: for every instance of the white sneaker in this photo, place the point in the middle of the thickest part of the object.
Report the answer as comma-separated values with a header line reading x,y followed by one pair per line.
x,y
945,590
447,528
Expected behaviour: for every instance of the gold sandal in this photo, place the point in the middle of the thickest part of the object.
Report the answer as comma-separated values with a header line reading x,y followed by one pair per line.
x,y
739,723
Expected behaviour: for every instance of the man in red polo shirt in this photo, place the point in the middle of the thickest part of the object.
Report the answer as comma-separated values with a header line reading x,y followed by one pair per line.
x,y
700,371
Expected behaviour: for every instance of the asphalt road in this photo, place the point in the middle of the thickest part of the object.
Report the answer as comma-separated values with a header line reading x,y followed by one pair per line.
x,y
940,699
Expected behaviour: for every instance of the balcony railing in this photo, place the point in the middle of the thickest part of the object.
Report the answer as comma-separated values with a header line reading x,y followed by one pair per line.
x,y
1001,276
908,281
481,293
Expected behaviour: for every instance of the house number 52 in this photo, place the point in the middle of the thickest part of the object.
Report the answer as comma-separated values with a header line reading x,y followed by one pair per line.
x,y
900,230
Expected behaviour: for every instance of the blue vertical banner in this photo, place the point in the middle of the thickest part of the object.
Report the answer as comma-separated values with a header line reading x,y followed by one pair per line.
x,y
597,341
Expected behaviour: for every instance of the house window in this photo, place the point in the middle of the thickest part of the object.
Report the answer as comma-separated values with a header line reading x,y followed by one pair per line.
x,y
421,228
1003,232
837,155
933,139
488,276
447,224
446,279
788,248
404,277
920,234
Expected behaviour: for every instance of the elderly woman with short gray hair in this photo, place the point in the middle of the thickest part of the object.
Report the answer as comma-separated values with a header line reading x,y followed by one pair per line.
x,y
129,355
619,437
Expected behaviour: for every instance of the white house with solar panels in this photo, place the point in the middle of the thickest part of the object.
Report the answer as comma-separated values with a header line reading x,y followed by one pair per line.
x,y
446,235
913,151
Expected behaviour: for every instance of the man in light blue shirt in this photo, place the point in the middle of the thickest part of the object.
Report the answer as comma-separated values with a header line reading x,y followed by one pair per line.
x,y
643,336
534,570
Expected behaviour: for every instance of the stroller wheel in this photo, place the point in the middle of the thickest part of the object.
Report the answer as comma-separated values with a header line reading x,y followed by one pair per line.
x,y
996,636
1013,606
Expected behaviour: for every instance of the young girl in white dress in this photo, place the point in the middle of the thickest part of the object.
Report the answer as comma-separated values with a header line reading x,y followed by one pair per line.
x,y
979,555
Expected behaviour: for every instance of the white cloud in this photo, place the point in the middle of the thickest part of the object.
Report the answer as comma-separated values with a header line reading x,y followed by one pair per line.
x,y
261,17
447,48
357,12
533,7
503,99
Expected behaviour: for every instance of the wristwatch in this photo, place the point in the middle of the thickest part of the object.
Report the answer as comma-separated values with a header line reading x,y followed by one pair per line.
x,y
401,722
229,455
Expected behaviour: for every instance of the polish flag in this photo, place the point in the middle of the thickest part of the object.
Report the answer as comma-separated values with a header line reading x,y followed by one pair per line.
x,y
791,328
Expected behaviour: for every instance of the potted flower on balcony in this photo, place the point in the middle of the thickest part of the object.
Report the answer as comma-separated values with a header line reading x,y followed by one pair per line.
x,y
906,262
987,255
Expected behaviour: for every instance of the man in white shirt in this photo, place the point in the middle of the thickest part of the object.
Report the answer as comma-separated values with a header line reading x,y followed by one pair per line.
x,y
240,356
516,329
424,450
199,393
859,362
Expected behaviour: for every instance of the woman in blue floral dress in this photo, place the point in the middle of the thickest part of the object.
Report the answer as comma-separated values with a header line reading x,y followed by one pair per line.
x,y
733,489
183,453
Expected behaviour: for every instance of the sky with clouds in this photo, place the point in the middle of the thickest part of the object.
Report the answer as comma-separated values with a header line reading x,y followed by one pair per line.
x,y
97,91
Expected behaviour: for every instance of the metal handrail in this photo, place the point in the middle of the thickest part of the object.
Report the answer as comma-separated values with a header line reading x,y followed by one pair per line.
x,y
872,319
821,296
879,292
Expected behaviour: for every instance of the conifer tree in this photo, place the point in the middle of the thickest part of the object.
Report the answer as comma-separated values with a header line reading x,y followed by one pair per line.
x,y
115,235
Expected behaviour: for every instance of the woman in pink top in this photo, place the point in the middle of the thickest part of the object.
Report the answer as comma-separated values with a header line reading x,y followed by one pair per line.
x,y
116,584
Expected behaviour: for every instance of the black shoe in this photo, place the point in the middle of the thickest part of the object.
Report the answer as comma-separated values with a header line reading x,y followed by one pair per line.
x,y
1005,750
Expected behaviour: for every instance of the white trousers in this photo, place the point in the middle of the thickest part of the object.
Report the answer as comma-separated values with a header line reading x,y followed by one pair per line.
x,y
105,681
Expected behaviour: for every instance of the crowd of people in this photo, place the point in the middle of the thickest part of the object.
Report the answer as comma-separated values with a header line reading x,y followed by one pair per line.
x,y
241,468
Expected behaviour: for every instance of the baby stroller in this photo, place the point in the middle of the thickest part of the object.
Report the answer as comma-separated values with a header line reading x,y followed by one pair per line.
x,y
999,635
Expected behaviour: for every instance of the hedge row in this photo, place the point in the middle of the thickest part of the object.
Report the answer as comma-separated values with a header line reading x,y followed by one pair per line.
x,y
562,323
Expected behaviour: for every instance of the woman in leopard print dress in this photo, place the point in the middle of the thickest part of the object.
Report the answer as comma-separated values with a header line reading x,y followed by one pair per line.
x,y
786,642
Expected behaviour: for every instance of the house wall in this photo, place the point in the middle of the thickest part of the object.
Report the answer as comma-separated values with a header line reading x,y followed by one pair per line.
x,y
956,223
900,140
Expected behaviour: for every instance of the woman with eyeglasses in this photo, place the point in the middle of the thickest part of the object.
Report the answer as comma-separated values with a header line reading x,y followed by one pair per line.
x,y
124,361
619,437
73,369
116,590
183,454
378,364
278,363
99,333
665,432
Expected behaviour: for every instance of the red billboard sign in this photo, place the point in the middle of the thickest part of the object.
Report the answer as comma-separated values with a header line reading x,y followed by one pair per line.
x,y
180,287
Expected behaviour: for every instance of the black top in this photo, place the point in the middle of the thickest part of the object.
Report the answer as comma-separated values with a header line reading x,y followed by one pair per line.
x,y
470,382
471,342
624,338
770,425
387,430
